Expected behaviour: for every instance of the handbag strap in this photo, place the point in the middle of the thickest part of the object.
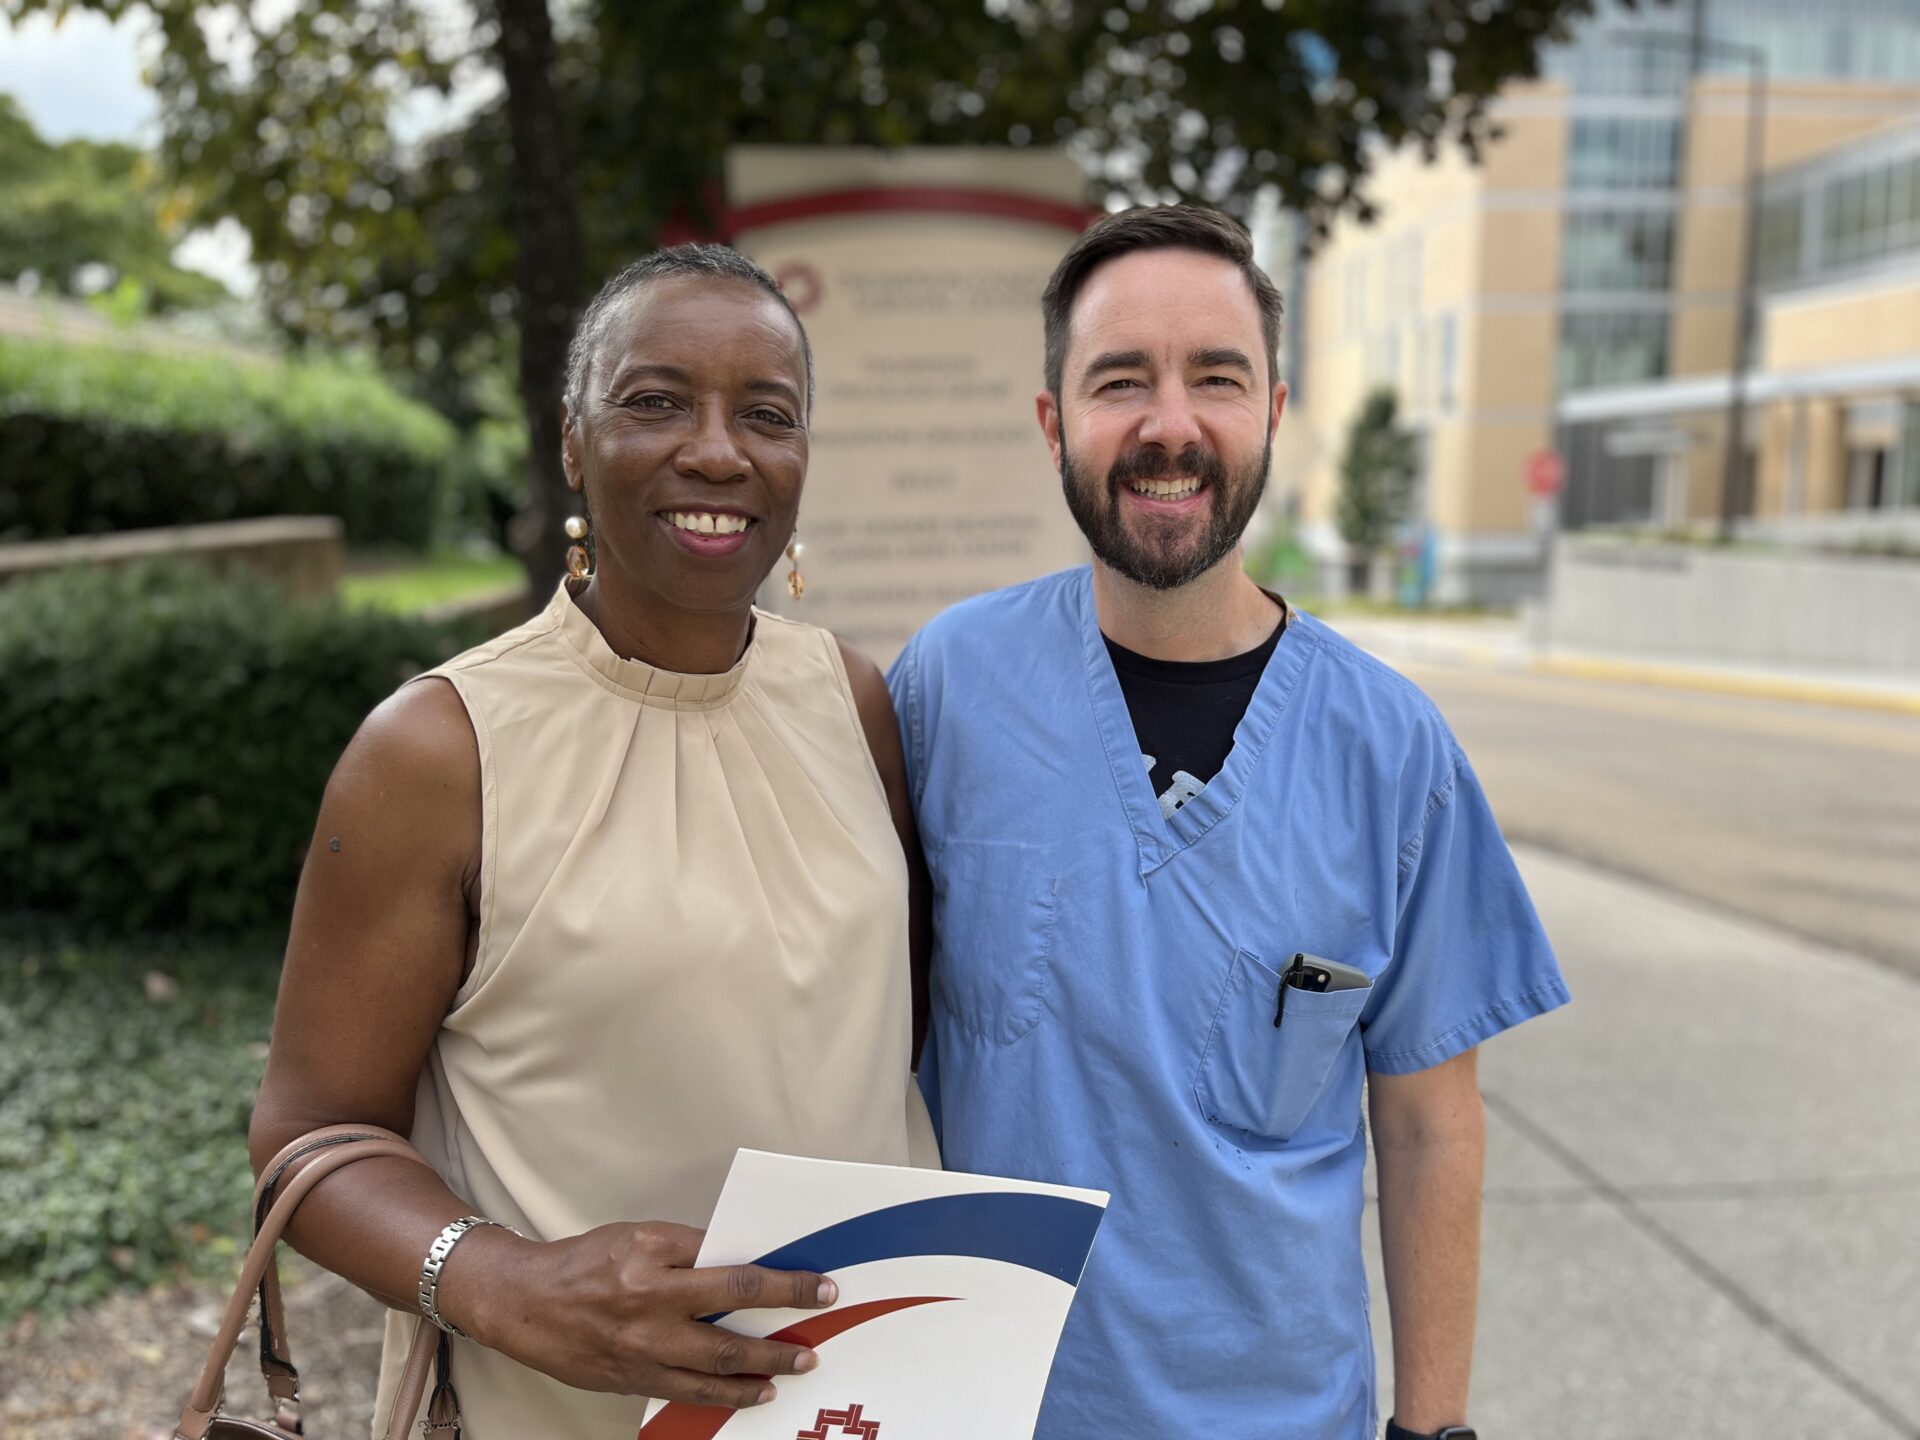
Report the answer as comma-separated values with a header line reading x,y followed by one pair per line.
x,y
323,1151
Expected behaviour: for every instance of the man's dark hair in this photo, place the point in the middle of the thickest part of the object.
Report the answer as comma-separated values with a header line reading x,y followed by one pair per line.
x,y
1154,227
719,262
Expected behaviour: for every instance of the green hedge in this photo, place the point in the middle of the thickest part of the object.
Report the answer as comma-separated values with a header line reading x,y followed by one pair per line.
x,y
165,737
96,438
123,1116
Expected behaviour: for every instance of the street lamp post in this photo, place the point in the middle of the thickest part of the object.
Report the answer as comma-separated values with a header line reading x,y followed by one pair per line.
x,y
1696,44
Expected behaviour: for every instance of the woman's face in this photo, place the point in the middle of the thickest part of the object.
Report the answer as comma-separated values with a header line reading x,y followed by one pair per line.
x,y
691,442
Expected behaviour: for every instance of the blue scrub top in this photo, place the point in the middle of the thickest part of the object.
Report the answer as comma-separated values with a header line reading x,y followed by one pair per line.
x,y
1105,980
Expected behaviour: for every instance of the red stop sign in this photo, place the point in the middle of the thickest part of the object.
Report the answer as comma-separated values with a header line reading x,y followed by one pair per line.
x,y
1546,472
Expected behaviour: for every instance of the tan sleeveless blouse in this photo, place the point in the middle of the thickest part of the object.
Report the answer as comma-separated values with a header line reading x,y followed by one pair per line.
x,y
693,937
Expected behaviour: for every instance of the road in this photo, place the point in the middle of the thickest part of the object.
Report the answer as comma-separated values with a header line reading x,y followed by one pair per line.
x,y
1703,1183
1703,1175
1805,816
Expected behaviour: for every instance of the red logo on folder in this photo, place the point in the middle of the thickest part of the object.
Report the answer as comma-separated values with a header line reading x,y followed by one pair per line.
x,y
849,1422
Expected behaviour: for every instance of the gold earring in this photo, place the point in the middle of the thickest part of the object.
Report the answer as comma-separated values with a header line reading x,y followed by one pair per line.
x,y
796,582
579,563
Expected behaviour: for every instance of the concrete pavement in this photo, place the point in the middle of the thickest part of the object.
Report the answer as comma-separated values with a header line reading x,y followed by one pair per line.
x,y
1703,1188
1501,643
1804,815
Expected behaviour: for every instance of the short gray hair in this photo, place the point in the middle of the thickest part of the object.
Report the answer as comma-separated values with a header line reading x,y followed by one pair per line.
x,y
719,262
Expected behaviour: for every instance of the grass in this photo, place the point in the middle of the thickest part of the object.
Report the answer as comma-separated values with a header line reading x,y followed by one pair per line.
x,y
127,1075
413,585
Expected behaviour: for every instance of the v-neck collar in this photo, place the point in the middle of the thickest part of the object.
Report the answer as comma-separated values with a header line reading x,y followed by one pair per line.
x,y
1159,838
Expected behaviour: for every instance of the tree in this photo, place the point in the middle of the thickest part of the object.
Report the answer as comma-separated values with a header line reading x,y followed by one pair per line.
x,y
450,253
1378,470
82,216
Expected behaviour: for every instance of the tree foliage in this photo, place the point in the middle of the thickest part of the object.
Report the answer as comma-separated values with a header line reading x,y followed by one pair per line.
x,y
1378,470
290,118
79,212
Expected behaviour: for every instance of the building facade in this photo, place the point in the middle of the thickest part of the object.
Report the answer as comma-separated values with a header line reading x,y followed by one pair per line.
x,y
1596,248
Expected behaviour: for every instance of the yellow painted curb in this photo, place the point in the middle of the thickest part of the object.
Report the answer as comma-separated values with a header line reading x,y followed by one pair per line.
x,y
1758,687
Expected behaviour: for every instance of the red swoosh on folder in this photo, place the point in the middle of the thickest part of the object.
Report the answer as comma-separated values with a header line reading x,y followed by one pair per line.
x,y
702,1422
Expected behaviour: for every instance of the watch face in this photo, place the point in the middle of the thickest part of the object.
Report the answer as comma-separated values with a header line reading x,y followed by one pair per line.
x,y
1457,1432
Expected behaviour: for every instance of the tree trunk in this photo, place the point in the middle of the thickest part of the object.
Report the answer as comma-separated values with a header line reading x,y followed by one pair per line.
x,y
549,272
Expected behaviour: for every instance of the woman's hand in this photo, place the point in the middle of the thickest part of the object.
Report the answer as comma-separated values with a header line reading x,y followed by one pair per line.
x,y
617,1309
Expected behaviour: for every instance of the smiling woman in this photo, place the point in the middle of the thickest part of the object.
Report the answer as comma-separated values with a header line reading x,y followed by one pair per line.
x,y
590,899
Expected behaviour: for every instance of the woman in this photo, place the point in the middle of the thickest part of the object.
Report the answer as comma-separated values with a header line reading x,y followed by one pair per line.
x,y
601,901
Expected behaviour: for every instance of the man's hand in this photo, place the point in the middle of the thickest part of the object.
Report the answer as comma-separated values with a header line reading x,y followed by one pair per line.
x,y
1430,1141
616,1309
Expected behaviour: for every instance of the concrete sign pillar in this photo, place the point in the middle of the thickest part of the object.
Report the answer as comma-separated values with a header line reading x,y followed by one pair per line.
x,y
918,274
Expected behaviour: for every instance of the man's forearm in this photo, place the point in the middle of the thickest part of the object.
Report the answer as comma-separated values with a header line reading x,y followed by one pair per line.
x,y
1430,1241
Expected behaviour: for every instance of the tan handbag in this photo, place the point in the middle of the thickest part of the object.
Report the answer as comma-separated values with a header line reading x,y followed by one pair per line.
x,y
317,1154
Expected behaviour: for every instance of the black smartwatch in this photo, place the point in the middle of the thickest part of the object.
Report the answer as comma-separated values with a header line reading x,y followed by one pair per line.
x,y
1450,1432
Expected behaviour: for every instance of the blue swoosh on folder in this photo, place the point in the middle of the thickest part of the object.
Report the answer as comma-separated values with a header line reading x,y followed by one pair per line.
x,y
1048,1233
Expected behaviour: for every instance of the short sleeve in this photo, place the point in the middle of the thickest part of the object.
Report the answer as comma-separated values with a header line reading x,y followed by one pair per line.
x,y
1469,956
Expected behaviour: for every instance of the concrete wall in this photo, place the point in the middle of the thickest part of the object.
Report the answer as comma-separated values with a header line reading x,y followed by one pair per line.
x,y
1846,614
302,554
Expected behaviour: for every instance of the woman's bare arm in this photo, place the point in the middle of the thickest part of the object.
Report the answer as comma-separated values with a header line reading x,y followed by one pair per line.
x,y
882,728
383,934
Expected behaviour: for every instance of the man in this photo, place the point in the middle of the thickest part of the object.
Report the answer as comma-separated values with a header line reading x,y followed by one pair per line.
x,y
1200,867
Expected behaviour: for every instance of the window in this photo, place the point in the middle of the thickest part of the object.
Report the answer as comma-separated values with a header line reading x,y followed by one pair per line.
x,y
1449,360
1623,153
1611,347
1618,250
1866,478
1779,240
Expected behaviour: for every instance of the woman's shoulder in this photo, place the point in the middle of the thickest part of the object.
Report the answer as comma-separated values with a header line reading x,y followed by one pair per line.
x,y
529,633
796,645
810,654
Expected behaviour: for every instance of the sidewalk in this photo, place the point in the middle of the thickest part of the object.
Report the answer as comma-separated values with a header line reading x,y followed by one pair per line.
x,y
1703,1184
1502,644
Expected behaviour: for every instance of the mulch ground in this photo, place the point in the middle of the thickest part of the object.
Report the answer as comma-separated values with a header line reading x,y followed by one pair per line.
x,y
121,1370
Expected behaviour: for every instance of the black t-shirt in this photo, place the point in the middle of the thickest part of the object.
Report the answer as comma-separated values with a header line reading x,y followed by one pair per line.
x,y
1185,712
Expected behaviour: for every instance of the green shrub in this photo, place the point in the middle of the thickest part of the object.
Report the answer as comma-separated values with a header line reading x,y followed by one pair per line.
x,y
165,737
96,438
122,1118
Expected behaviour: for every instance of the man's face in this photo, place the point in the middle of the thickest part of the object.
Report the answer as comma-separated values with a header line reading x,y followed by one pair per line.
x,y
1164,423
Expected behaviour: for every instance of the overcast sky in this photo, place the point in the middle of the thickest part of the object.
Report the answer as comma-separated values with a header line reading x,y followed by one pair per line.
x,y
80,79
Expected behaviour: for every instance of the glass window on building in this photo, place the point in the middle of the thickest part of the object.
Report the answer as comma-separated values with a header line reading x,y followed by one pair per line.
x,y
1779,240
1909,493
1449,360
1605,488
1869,215
1611,347
1616,152
1617,250
1602,60
1832,40
1836,216
1874,432
1867,475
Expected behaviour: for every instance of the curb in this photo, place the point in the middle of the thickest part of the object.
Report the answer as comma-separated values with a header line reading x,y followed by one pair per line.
x,y
1757,687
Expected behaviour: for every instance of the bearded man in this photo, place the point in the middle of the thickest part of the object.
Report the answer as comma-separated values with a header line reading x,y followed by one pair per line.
x,y
1203,871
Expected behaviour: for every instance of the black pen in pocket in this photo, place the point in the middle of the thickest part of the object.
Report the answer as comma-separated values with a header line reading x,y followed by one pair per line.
x,y
1299,976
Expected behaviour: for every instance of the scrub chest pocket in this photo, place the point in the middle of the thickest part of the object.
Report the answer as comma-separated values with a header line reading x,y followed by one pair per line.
x,y
995,904
1263,1079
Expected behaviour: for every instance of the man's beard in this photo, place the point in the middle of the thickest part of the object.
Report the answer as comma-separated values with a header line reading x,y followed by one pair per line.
x,y
1163,565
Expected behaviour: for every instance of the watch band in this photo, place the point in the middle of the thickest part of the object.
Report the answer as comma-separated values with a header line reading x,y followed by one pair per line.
x,y
436,1261
1446,1432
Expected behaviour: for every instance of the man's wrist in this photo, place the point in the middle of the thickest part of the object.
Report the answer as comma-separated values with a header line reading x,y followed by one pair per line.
x,y
1396,1431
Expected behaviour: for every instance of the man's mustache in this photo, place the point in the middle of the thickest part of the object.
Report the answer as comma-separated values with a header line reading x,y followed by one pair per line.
x,y
1152,463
